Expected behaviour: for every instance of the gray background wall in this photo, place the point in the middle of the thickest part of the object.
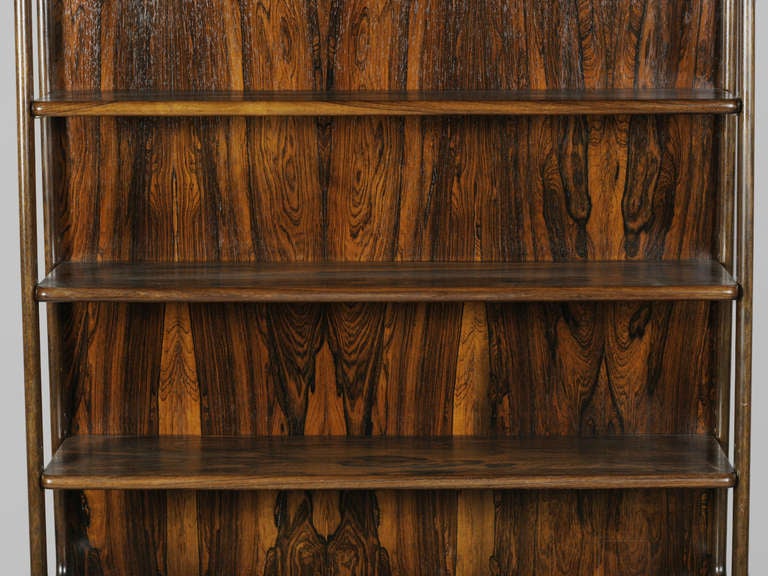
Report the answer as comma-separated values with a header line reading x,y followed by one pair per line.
x,y
13,521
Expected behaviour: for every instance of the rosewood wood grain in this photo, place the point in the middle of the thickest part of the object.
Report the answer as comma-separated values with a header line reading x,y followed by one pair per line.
x,y
289,190
613,532
316,463
438,200
338,553
360,103
606,528
598,359
256,378
388,282
608,369
425,46
144,529
179,413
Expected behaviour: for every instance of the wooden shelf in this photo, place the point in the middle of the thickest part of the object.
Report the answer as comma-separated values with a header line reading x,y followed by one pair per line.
x,y
100,462
225,177
390,282
497,102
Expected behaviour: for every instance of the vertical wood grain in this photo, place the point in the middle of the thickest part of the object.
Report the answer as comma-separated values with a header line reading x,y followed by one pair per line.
x,y
179,415
601,369
386,189
408,383
608,533
472,417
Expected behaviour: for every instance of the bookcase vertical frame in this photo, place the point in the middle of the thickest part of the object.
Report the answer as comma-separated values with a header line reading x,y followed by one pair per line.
x,y
46,189
30,312
745,234
725,247
45,157
727,150
44,87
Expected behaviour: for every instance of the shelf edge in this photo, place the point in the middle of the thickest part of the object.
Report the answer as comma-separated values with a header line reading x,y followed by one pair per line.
x,y
533,483
367,105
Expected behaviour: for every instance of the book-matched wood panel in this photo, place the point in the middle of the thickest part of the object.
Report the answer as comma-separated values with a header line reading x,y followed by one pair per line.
x,y
520,369
359,190
378,533
385,189
461,189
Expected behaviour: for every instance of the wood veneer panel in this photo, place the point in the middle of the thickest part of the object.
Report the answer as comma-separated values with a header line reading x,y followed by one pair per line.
x,y
564,369
432,189
385,282
470,102
220,45
363,189
618,531
316,463
617,534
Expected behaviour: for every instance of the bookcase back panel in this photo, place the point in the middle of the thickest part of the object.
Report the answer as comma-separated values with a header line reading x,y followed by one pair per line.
x,y
385,533
385,189
397,370
502,189
378,44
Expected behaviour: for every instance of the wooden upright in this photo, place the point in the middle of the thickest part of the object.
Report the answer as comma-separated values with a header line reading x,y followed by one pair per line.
x,y
389,288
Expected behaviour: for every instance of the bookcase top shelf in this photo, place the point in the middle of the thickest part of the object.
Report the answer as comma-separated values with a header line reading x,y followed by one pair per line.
x,y
382,103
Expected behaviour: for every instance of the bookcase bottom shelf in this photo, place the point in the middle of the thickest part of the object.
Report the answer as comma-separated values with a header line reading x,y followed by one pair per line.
x,y
103,462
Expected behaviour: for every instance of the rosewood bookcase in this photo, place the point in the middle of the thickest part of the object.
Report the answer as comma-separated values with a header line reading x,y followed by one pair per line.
x,y
388,287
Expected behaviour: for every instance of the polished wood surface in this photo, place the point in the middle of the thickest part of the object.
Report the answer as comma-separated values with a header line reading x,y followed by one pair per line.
x,y
511,369
323,45
573,189
262,370
447,189
316,463
357,103
615,531
388,282
745,270
27,180
726,255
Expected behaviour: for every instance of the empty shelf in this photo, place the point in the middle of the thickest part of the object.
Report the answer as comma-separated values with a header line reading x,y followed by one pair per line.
x,y
496,102
100,462
388,282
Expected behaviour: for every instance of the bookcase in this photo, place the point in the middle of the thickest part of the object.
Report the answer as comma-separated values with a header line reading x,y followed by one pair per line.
x,y
388,287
